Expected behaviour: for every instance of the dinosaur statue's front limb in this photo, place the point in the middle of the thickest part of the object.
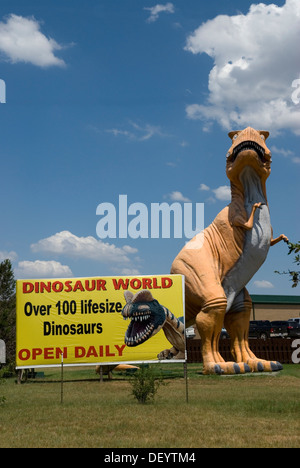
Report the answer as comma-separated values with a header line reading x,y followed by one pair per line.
x,y
278,239
240,222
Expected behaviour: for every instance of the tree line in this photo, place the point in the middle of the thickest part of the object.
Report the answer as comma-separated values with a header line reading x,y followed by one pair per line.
x,y
8,309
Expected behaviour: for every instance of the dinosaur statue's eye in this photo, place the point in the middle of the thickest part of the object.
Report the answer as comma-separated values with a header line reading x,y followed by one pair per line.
x,y
235,136
262,137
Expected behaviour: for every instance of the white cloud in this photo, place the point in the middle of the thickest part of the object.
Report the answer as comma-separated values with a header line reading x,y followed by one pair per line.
x,y
129,250
67,244
204,187
223,192
42,269
127,271
286,154
157,9
117,132
263,284
283,152
138,132
22,41
255,63
147,132
177,196
4,255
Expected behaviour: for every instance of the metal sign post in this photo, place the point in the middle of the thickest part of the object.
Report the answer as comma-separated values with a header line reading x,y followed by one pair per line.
x,y
186,377
62,379
2,353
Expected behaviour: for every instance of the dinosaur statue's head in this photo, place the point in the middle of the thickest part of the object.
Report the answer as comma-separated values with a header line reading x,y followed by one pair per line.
x,y
248,149
146,316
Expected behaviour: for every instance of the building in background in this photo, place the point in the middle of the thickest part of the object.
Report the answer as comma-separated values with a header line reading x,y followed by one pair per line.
x,y
265,307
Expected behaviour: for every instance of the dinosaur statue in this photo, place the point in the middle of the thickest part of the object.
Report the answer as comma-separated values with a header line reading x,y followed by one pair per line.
x,y
147,318
220,261
108,369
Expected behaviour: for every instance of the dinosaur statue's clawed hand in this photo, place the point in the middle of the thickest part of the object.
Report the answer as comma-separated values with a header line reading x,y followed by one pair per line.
x,y
280,238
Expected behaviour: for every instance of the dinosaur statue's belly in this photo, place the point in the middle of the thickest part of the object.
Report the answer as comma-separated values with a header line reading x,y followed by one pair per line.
x,y
257,240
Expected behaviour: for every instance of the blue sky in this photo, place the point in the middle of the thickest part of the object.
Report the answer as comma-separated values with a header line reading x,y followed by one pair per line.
x,y
136,97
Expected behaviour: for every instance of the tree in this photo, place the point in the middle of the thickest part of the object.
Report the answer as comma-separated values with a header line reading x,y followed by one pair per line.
x,y
7,283
294,275
8,308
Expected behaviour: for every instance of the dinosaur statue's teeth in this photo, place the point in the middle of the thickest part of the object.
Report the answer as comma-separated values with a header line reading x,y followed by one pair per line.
x,y
141,317
141,335
249,145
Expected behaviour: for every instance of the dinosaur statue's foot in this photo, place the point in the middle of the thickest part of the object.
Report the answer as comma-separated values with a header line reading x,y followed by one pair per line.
x,y
260,365
226,368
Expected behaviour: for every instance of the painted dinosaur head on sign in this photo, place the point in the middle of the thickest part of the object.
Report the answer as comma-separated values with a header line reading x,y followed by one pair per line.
x,y
248,149
147,317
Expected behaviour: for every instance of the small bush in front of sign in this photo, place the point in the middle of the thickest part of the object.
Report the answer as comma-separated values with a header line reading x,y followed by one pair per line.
x,y
145,384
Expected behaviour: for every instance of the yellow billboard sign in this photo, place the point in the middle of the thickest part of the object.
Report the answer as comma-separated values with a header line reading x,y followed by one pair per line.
x,y
100,320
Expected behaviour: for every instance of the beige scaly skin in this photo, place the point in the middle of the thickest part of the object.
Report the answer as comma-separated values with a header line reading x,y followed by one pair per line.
x,y
220,261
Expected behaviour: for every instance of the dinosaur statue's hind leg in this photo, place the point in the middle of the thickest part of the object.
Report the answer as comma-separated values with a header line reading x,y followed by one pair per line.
x,y
237,324
209,323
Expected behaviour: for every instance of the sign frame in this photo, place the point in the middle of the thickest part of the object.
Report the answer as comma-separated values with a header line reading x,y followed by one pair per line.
x,y
42,303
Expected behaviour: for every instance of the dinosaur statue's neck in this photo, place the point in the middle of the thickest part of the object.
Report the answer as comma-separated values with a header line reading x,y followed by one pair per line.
x,y
249,189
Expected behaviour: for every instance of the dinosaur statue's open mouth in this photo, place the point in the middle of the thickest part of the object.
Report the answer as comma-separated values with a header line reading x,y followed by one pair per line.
x,y
140,328
146,316
249,145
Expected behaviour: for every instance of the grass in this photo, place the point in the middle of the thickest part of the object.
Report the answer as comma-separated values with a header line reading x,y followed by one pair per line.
x,y
238,411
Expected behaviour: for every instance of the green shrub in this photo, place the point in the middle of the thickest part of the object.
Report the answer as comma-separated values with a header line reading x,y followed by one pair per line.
x,y
145,384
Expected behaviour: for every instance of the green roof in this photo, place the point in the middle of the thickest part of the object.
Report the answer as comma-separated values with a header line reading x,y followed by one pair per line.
x,y
268,299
